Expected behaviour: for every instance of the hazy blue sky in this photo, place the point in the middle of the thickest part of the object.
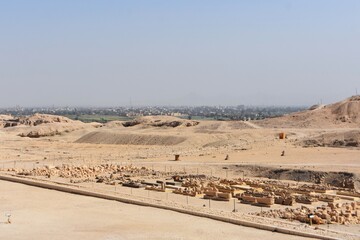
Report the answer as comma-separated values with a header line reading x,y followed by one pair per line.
x,y
104,53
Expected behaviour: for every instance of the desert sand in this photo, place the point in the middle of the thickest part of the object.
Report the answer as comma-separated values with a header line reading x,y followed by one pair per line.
x,y
324,139
44,214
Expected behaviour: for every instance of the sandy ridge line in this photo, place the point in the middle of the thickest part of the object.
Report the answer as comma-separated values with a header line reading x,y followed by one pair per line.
x,y
252,125
67,188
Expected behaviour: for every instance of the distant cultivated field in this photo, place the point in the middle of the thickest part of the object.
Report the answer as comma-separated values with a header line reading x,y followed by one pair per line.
x,y
98,118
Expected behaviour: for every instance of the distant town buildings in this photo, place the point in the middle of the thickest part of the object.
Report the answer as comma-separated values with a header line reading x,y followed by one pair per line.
x,y
240,112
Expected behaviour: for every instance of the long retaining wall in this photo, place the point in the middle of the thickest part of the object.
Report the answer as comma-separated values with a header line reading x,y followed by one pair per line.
x,y
83,192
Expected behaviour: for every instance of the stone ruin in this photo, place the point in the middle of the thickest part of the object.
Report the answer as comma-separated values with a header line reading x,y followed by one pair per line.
x,y
341,213
259,192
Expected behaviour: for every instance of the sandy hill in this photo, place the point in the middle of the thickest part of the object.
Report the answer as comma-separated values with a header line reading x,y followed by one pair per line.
x,y
38,119
108,137
341,114
42,125
218,127
4,119
347,110
114,124
160,121
348,138
156,130
33,120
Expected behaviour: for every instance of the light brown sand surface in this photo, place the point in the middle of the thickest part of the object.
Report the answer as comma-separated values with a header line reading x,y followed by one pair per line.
x,y
152,143
46,214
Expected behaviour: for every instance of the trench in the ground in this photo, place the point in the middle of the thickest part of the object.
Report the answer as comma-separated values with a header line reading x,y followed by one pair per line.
x,y
336,179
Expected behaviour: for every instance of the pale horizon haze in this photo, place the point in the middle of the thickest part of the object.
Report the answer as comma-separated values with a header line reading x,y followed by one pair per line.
x,y
114,53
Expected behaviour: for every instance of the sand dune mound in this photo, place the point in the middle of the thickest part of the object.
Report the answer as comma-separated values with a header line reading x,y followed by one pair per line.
x,y
160,121
33,120
239,125
48,130
102,137
4,119
210,127
43,125
342,114
38,119
213,127
336,139
348,110
114,124
236,143
316,107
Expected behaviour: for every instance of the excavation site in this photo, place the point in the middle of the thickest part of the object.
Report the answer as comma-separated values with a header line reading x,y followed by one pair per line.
x,y
289,177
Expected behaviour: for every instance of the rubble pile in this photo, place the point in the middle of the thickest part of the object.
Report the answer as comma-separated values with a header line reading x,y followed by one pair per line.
x,y
257,197
101,173
160,121
159,188
111,180
342,213
191,187
211,188
305,199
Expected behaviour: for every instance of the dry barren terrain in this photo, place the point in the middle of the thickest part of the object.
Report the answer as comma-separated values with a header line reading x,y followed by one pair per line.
x,y
321,146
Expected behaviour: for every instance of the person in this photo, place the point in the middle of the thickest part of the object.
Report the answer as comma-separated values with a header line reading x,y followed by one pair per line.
x,y
283,153
8,216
